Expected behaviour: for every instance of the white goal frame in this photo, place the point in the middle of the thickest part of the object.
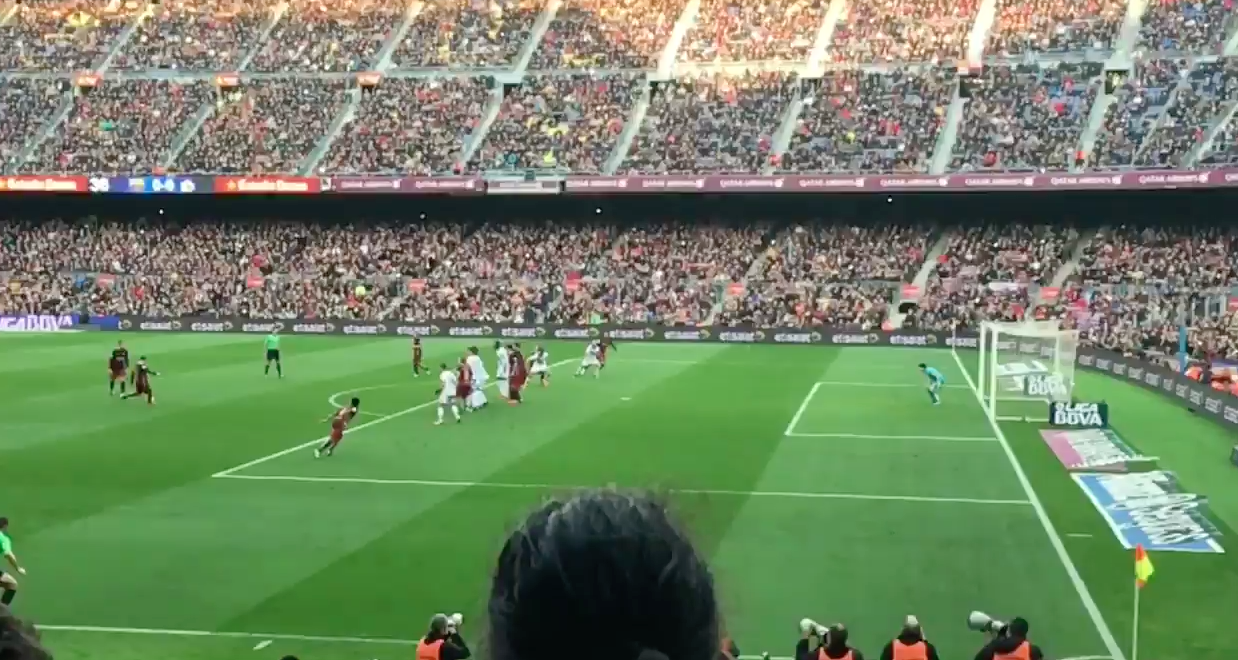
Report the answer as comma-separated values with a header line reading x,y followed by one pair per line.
x,y
1036,336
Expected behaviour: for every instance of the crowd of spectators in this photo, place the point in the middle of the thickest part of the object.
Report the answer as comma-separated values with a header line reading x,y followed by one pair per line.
x,y
675,275
204,35
268,126
1160,257
992,273
1137,108
886,115
329,35
1199,26
468,34
1056,26
904,31
1209,88
408,125
1129,288
607,34
1027,118
27,104
62,35
123,126
712,123
730,31
848,125
568,122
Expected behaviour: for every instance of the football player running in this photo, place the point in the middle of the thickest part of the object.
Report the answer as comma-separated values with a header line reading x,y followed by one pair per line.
x,y
591,360
539,365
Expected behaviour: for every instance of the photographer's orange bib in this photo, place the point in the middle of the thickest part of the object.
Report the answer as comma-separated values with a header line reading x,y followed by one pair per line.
x,y
429,651
917,651
1021,652
822,656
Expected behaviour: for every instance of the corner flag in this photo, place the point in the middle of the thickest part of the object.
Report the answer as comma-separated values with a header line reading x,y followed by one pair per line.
x,y
1143,567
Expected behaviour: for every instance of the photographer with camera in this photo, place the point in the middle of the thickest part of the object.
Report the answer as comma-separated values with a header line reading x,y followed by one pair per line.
x,y
910,643
443,641
1008,640
831,643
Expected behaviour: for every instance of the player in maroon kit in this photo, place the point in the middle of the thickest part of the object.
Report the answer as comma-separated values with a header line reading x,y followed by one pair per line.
x,y
464,384
604,348
339,423
518,373
418,367
140,378
117,367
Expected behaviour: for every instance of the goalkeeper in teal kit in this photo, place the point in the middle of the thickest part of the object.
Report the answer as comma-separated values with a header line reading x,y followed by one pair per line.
x,y
935,381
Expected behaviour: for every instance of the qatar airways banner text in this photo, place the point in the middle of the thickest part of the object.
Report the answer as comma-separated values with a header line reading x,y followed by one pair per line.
x,y
606,185
405,185
37,322
831,183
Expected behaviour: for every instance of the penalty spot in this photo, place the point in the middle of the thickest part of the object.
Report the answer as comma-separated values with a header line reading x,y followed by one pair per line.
x,y
625,398
263,644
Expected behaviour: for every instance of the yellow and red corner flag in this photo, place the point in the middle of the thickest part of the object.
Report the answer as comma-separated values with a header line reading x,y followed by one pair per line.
x,y
1143,566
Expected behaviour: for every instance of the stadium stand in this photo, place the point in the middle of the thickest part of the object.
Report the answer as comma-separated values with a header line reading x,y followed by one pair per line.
x,y
208,35
1126,288
711,123
386,137
124,126
467,34
739,87
560,121
871,122
607,34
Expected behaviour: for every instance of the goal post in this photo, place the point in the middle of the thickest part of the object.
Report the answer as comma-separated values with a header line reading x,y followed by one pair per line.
x,y
1025,366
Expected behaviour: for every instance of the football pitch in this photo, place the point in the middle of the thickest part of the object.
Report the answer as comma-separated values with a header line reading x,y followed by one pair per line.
x,y
819,480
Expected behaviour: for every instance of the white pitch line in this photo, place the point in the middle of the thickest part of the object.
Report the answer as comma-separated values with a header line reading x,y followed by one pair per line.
x,y
683,491
847,383
374,422
862,436
1055,539
232,635
795,419
336,404
162,632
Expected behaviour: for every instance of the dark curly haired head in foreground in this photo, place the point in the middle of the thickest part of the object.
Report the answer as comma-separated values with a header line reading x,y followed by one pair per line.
x,y
19,640
604,574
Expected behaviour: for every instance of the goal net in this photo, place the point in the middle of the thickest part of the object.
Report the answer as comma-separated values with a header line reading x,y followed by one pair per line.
x,y
1024,367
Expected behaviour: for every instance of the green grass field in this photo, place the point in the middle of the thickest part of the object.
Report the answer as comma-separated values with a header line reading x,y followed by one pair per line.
x,y
819,480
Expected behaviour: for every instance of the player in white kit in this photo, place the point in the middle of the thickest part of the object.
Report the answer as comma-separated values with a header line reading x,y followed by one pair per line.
x,y
447,394
477,398
540,366
501,370
591,361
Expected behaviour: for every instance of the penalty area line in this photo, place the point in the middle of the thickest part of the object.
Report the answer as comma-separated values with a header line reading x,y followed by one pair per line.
x,y
865,436
799,412
847,383
682,491
267,638
373,422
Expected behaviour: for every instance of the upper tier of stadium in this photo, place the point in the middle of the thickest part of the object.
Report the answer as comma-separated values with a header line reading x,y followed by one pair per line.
x,y
746,86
